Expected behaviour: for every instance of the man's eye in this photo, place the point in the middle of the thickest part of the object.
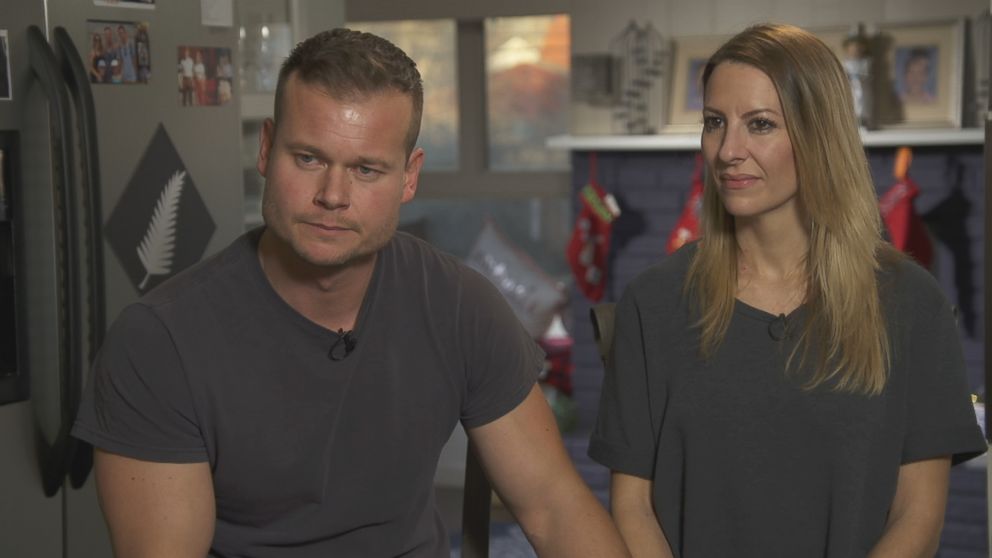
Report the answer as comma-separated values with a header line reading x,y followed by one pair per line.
x,y
305,159
366,171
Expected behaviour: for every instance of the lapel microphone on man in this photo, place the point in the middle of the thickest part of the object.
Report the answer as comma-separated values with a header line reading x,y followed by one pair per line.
x,y
343,345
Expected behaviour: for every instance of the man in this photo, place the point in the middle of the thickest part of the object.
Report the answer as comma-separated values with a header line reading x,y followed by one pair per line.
x,y
290,396
111,56
186,78
127,56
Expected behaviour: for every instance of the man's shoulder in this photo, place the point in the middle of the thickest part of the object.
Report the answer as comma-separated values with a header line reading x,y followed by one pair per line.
x,y
422,267
411,252
204,277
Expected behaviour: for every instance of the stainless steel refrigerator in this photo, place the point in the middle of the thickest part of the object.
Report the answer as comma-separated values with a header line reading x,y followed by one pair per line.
x,y
107,189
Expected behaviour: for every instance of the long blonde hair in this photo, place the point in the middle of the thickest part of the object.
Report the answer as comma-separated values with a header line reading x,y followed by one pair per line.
x,y
844,334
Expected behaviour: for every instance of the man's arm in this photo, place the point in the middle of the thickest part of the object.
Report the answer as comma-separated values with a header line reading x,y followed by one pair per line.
x,y
155,509
917,513
630,503
524,458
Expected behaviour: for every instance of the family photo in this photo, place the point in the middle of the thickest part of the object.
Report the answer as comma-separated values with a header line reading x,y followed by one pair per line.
x,y
205,75
120,52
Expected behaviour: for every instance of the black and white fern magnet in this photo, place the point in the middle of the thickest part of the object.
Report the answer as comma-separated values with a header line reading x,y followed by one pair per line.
x,y
156,249
160,225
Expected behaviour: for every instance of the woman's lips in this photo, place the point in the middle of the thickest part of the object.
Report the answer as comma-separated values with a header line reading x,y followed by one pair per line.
x,y
737,181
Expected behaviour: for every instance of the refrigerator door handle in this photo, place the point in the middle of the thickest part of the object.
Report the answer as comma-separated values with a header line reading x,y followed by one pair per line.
x,y
81,456
82,96
54,456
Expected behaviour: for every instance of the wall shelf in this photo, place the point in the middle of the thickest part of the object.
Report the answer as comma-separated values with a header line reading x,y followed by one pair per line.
x,y
682,142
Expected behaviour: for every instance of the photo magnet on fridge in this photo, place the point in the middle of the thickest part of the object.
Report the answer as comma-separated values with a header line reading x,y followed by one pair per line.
x,y
119,52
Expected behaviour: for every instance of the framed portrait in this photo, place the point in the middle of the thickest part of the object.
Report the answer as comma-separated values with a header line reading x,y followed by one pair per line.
x,y
920,74
686,99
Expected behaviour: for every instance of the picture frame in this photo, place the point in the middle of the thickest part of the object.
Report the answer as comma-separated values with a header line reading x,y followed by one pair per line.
x,y
595,79
686,98
644,59
920,74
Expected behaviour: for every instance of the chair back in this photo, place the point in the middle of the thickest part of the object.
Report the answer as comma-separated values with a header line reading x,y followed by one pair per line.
x,y
602,316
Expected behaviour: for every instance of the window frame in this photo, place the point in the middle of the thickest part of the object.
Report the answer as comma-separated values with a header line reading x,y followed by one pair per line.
x,y
474,178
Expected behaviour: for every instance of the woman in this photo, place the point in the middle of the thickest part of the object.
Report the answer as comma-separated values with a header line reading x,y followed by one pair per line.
x,y
200,79
789,385
98,64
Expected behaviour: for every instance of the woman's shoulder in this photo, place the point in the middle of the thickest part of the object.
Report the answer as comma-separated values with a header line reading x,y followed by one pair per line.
x,y
906,283
663,280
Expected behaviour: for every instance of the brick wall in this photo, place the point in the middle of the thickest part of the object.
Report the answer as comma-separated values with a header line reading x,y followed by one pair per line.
x,y
651,188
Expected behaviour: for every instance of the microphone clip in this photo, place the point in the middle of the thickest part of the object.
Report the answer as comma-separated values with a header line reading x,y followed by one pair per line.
x,y
343,345
778,328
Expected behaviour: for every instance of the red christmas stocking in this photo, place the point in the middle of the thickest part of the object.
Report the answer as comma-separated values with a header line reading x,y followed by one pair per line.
x,y
687,227
906,229
589,247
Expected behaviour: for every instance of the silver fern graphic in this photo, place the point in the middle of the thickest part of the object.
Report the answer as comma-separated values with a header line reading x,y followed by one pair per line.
x,y
156,249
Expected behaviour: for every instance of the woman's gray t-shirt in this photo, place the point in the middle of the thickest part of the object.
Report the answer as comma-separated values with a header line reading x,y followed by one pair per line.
x,y
744,460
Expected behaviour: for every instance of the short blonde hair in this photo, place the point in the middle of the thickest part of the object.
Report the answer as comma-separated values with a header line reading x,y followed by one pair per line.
x,y
350,64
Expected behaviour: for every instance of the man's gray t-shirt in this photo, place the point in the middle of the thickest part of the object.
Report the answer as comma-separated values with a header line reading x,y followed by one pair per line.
x,y
311,456
744,460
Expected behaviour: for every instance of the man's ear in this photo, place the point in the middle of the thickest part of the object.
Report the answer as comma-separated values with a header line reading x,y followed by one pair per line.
x,y
266,137
411,175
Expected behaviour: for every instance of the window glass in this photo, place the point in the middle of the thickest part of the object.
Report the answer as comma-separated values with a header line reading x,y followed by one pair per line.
x,y
527,83
431,44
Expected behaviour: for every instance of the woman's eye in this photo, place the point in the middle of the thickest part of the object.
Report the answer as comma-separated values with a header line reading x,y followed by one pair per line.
x,y
712,122
762,125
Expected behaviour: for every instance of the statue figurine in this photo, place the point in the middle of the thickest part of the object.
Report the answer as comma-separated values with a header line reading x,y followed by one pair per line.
x,y
857,65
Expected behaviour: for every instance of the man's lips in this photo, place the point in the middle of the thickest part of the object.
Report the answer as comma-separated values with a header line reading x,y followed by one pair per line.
x,y
329,227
